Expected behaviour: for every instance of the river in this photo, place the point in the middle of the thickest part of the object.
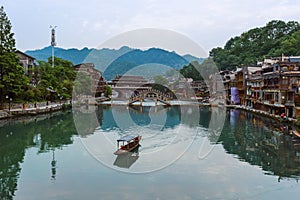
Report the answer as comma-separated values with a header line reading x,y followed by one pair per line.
x,y
186,152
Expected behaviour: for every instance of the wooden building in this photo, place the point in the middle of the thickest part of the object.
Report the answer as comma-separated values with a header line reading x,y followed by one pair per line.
x,y
124,86
26,61
228,79
281,88
97,80
200,89
253,85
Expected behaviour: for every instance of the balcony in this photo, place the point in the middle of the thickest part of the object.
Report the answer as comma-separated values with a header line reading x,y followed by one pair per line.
x,y
289,103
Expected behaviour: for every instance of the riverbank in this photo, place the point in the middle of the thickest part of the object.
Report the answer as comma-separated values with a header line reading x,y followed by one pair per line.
x,y
263,113
18,110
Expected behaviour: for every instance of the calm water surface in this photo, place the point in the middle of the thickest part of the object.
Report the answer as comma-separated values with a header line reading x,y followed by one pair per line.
x,y
46,158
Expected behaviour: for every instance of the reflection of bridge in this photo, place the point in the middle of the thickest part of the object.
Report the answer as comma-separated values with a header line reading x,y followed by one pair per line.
x,y
151,94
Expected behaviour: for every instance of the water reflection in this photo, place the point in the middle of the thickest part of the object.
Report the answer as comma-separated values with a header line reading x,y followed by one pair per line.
x,y
127,159
164,130
53,166
251,138
47,133
259,141
88,118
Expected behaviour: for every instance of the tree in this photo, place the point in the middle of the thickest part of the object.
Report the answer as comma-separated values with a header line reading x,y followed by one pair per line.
x,y
58,79
107,90
191,71
82,85
12,79
275,38
290,45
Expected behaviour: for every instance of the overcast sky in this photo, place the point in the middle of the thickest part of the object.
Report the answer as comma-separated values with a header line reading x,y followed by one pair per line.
x,y
89,23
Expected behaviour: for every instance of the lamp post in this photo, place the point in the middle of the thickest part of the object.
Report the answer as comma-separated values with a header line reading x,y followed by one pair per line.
x,y
9,101
59,97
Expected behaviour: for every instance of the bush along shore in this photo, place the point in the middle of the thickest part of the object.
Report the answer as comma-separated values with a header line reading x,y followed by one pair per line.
x,y
27,109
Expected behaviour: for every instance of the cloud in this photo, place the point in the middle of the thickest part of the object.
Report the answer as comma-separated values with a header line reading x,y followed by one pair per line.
x,y
88,24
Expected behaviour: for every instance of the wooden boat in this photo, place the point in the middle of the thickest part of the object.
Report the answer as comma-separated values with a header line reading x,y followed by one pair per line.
x,y
127,143
127,159
296,133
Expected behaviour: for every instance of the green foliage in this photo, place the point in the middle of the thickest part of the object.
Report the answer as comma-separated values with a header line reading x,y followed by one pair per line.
x,y
58,79
12,79
274,39
107,90
55,132
82,85
290,46
51,83
60,62
191,71
198,71
160,80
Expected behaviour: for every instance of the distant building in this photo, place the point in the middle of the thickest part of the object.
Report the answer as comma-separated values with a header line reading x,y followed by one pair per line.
x,y
228,78
125,86
97,80
254,86
26,61
201,90
281,88
128,81
274,86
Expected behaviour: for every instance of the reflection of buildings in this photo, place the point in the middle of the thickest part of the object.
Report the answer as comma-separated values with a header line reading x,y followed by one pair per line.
x,y
127,159
258,141
87,119
140,117
234,117
146,109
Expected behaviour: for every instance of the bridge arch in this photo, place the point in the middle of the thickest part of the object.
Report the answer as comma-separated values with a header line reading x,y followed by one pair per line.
x,y
154,95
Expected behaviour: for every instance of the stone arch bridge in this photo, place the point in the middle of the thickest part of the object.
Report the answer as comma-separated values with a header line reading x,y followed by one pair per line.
x,y
151,94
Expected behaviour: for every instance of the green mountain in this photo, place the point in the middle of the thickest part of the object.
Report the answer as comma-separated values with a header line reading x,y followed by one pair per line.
x,y
111,62
274,39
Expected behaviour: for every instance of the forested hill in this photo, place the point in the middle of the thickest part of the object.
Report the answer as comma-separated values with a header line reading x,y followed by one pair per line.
x,y
274,39
114,62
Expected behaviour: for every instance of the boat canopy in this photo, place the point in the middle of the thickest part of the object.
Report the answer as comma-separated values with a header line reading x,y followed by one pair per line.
x,y
127,138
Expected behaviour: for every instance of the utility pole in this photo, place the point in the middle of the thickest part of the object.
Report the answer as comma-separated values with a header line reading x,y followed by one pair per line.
x,y
53,43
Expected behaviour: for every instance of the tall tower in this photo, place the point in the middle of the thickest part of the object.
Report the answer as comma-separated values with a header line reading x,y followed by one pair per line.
x,y
53,43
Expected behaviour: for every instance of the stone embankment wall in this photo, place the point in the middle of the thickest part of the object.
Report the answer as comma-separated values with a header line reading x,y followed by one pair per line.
x,y
21,109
